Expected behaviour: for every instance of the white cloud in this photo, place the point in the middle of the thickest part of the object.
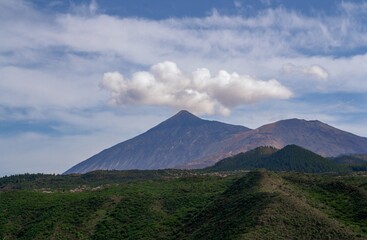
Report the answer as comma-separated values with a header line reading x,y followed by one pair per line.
x,y
50,64
166,85
313,71
259,45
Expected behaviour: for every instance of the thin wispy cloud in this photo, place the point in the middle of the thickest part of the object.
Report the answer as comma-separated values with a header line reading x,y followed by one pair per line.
x,y
259,45
313,71
52,64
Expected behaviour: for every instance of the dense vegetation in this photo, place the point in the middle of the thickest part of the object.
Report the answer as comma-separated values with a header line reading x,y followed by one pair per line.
x,y
247,160
173,204
350,159
289,158
354,162
104,205
91,179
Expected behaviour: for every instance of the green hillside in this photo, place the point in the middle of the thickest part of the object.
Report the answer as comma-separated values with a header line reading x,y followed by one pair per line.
x,y
174,204
289,158
103,204
353,159
355,162
247,160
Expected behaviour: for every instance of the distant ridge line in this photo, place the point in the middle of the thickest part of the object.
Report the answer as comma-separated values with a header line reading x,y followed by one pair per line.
x,y
187,141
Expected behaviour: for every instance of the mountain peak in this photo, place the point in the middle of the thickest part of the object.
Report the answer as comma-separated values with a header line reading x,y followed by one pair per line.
x,y
297,123
182,118
180,139
187,141
295,148
185,114
292,121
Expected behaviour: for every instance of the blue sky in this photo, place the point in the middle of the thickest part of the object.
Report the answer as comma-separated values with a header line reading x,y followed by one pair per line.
x,y
80,76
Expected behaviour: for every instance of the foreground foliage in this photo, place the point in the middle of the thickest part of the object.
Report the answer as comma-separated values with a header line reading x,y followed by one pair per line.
x,y
174,204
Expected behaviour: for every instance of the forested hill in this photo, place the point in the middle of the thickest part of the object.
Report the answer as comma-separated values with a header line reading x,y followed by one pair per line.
x,y
289,158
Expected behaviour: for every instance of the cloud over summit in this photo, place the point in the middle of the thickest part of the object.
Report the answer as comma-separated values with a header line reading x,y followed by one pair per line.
x,y
165,84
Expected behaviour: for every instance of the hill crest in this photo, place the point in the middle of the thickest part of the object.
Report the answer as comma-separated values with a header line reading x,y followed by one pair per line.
x,y
289,158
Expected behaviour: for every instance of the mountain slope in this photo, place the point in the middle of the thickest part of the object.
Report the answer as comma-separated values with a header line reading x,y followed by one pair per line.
x,y
186,141
261,205
313,135
179,139
295,158
289,158
355,162
353,159
247,160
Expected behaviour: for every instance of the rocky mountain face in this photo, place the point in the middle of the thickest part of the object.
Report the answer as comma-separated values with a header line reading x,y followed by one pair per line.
x,y
181,138
186,141
314,135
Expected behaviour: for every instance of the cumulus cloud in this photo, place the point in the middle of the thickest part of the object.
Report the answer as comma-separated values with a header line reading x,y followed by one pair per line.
x,y
165,84
55,67
313,71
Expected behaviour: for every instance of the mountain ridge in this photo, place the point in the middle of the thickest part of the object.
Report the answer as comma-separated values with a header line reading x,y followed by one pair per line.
x,y
187,141
313,135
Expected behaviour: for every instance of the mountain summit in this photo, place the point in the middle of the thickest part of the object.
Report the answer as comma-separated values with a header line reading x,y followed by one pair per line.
x,y
187,141
181,138
182,118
